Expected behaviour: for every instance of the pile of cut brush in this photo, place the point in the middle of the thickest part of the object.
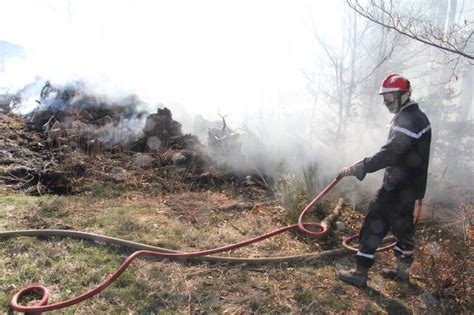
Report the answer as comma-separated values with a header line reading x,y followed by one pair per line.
x,y
73,140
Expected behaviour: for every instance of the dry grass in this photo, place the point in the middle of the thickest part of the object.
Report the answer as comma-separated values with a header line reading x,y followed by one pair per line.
x,y
186,221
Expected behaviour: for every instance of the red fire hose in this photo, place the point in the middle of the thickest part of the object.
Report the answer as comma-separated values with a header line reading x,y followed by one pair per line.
x,y
42,305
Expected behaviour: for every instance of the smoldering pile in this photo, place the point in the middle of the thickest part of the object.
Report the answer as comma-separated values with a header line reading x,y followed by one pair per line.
x,y
74,139
69,115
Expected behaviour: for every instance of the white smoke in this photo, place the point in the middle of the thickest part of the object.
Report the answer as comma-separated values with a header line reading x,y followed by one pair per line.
x,y
245,59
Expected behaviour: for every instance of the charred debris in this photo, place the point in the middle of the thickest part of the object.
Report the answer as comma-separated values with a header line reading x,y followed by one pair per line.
x,y
74,140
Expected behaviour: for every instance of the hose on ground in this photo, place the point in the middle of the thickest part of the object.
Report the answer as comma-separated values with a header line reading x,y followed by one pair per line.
x,y
151,251
345,242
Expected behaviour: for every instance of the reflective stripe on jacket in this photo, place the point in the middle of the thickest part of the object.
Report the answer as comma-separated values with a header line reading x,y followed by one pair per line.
x,y
405,156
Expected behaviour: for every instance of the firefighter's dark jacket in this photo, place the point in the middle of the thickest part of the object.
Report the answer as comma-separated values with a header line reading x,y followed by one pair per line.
x,y
405,156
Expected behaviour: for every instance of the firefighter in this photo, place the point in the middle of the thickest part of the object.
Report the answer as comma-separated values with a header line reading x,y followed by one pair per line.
x,y
405,159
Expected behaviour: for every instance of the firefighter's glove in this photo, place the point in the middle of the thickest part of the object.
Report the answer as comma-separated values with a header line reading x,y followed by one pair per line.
x,y
356,170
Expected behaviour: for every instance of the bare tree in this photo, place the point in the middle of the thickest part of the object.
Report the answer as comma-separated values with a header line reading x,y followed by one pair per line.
x,y
348,66
453,38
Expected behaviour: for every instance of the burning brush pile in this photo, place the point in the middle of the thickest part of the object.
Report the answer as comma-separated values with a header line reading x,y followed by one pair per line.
x,y
74,139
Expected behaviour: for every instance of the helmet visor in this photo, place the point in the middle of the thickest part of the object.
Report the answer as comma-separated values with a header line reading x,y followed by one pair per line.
x,y
389,97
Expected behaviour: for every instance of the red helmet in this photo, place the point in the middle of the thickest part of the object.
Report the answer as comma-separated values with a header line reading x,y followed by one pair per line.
x,y
395,83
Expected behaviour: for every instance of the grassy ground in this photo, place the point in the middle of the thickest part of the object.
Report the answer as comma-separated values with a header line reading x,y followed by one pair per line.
x,y
186,221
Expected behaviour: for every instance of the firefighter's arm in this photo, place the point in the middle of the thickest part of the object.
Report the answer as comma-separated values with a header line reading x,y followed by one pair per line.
x,y
398,144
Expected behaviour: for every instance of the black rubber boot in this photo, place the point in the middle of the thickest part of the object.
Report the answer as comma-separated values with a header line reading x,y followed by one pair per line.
x,y
356,277
400,273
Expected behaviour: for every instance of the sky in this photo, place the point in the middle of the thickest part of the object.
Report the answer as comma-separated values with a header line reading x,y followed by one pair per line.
x,y
209,56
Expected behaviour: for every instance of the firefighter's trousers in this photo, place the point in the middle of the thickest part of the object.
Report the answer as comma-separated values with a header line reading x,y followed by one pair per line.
x,y
388,211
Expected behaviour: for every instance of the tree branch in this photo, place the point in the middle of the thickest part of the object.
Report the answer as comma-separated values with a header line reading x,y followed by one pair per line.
x,y
395,23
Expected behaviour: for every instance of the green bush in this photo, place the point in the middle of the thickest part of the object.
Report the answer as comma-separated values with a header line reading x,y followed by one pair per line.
x,y
296,191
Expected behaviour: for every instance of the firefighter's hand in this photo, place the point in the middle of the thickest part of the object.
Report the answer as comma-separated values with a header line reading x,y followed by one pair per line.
x,y
356,170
